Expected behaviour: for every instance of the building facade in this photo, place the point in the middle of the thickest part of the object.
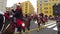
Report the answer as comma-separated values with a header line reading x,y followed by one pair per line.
x,y
27,7
3,5
46,6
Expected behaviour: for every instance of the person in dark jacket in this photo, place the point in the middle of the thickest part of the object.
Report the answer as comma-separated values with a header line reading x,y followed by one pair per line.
x,y
46,17
41,14
28,22
18,13
38,21
42,18
58,23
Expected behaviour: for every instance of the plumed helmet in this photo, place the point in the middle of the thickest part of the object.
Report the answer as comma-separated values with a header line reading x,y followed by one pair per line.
x,y
18,4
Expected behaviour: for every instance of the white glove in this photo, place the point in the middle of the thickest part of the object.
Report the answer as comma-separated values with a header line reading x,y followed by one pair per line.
x,y
11,15
23,24
36,22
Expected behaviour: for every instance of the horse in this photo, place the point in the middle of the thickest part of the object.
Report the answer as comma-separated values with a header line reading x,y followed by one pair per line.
x,y
2,21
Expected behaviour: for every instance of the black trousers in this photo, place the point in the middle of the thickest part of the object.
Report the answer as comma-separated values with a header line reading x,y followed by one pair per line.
x,y
1,24
20,29
58,26
28,27
38,24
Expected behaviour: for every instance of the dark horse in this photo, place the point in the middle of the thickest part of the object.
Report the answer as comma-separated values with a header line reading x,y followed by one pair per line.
x,y
2,21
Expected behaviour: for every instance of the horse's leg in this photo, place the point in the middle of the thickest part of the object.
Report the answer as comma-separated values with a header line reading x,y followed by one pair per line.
x,y
1,25
20,29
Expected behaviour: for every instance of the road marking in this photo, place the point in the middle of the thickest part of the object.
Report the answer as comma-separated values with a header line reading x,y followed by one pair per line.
x,y
51,26
55,28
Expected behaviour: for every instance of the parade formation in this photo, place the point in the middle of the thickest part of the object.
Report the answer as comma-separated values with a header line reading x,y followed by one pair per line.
x,y
14,18
17,20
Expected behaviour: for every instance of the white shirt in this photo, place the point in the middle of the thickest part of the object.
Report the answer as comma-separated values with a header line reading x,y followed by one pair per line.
x,y
1,12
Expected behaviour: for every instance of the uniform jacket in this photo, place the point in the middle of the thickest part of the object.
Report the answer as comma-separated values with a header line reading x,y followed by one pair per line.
x,y
18,13
7,15
19,23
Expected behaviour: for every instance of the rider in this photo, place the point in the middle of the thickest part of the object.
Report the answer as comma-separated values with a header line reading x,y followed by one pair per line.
x,y
19,20
58,23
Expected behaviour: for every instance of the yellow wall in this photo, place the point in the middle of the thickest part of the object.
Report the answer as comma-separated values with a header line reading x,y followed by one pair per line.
x,y
38,5
49,4
27,8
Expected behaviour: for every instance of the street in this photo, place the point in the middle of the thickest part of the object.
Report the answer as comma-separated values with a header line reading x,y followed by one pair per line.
x,y
49,28
16,15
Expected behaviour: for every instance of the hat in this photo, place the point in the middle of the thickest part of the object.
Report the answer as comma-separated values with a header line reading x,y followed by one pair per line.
x,y
18,4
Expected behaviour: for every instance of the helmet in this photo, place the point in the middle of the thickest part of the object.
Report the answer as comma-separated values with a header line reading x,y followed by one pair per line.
x,y
18,4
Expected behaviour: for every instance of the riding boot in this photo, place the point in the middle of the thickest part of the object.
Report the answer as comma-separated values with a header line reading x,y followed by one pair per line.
x,y
28,31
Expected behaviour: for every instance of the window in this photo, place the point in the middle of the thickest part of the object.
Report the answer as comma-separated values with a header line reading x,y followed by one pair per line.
x,y
45,0
46,11
40,4
50,11
53,0
49,0
25,6
26,12
56,0
40,10
40,1
50,7
49,4
46,4
40,7
46,8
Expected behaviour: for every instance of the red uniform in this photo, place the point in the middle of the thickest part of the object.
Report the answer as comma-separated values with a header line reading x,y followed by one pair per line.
x,y
43,19
7,15
20,22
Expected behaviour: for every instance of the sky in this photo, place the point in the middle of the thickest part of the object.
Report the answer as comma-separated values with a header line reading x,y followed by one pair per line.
x,y
12,2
